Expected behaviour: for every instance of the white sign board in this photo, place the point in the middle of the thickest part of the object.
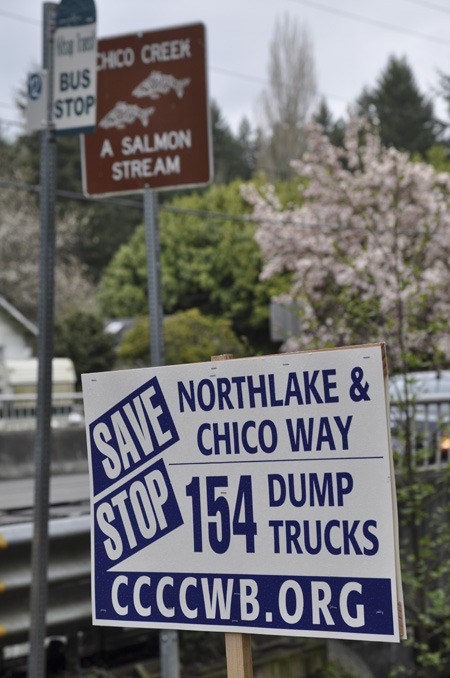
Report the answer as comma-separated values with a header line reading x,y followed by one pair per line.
x,y
75,67
37,94
254,496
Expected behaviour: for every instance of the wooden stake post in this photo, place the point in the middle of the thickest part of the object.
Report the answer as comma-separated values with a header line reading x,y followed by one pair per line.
x,y
239,655
238,645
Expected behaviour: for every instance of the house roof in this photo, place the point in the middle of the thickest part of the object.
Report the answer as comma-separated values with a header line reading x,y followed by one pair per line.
x,y
18,316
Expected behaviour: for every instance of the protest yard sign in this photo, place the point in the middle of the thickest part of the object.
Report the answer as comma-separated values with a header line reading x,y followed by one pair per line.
x,y
248,496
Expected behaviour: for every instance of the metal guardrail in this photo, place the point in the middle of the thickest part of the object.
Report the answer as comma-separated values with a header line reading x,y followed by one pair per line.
x,y
69,573
429,414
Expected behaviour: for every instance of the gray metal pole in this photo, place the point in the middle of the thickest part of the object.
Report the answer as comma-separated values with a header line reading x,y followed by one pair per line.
x,y
38,602
169,654
168,640
154,278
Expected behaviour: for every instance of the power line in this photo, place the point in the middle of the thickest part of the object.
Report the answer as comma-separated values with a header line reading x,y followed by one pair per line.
x,y
20,17
204,214
324,8
430,5
310,3
372,22
242,76
12,123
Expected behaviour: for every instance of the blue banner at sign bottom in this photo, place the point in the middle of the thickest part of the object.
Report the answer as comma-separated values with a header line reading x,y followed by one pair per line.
x,y
278,603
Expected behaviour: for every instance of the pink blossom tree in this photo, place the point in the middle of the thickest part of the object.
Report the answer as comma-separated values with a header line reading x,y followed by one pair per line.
x,y
368,253
368,249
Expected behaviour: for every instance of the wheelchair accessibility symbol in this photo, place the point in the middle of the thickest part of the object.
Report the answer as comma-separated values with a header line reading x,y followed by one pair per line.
x,y
35,86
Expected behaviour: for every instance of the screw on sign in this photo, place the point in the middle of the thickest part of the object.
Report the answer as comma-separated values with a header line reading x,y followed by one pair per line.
x,y
153,126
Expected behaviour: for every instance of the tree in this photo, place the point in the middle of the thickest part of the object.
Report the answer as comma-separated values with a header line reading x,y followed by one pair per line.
x,y
98,229
249,141
208,262
369,253
79,335
335,130
405,116
228,154
189,337
289,96
19,257
368,248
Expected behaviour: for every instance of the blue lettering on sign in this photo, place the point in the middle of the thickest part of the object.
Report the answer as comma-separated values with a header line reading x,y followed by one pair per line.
x,y
281,603
128,435
73,106
135,515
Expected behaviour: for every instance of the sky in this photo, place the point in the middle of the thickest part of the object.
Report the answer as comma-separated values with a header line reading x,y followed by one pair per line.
x,y
352,41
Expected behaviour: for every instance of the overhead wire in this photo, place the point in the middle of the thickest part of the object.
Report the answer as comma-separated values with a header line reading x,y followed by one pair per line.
x,y
430,5
182,211
315,5
324,8
20,17
371,21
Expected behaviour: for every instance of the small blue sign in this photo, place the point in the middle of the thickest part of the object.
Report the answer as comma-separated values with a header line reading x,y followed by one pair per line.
x,y
75,13
35,86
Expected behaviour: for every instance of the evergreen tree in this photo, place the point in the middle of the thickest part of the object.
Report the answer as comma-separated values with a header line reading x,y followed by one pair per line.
x,y
405,116
335,130
231,154
79,335
249,141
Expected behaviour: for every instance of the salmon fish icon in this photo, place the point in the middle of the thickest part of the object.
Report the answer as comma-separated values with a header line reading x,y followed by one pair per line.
x,y
158,83
124,114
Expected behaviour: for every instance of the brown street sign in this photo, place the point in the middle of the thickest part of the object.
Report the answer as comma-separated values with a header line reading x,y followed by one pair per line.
x,y
153,124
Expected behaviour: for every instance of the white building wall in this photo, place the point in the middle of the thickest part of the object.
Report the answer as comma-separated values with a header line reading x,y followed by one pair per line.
x,y
13,345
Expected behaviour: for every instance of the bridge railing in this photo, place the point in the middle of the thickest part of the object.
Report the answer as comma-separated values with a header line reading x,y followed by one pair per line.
x,y
424,424
18,410
429,417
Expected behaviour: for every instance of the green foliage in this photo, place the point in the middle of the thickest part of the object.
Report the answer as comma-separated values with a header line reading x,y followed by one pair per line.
x,y
424,513
438,157
101,228
405,116
335,130
189,337
233,156
80,336
123,288
211,263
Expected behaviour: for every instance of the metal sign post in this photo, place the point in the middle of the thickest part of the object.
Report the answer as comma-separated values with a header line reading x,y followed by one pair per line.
x,y
38,601
154,278
153,133
69,50
168,640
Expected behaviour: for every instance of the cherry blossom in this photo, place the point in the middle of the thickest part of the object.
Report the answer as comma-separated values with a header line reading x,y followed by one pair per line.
x,y
368,249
